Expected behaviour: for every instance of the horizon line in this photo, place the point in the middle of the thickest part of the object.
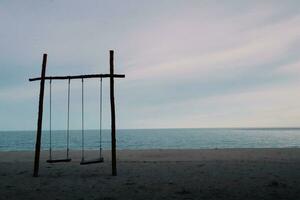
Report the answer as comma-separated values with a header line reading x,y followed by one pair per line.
x,y
283,127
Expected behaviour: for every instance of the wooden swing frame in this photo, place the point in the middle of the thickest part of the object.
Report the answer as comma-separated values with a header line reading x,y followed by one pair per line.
x,y
42,79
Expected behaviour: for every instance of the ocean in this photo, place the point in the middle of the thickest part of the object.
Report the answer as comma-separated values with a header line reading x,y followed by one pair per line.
x,y
158,139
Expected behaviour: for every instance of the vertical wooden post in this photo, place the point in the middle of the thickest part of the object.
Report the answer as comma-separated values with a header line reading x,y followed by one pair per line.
x,y
40,119
113,115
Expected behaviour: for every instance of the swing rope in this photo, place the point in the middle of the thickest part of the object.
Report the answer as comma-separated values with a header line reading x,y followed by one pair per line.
x,y
100,118
82,120
50,119
68,121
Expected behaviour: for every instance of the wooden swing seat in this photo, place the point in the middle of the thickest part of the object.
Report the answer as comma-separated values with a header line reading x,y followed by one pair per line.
x,y
92,161
59,160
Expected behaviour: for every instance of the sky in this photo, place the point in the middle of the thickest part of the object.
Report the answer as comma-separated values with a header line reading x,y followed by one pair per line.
x,y
188,64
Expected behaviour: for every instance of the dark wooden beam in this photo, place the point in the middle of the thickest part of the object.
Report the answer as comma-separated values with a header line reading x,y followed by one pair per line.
x,y
113,115
79,77
40,119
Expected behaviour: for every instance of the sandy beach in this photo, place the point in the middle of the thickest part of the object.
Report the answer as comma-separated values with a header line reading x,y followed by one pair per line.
x,y
156,174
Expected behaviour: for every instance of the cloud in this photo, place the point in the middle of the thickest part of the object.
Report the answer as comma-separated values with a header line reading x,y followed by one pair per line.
x,y
18,93
269,106
292,69
256,47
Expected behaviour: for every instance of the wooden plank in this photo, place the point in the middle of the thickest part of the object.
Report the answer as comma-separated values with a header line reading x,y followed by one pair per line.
x,y
40,119
79,77
93,161
113,115
59,160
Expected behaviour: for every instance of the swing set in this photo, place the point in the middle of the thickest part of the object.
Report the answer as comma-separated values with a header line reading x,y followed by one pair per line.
x,y
100,159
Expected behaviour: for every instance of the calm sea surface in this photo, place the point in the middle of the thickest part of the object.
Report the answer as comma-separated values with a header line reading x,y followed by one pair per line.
x,y
158,139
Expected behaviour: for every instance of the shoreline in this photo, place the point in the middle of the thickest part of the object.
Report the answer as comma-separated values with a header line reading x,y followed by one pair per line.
x,y
170,154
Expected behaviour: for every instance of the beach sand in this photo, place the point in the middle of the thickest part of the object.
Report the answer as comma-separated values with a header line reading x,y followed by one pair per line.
x,y
156,174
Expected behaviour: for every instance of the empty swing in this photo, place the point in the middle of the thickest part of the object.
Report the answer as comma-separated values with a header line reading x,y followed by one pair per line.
x,y
100,158
67,159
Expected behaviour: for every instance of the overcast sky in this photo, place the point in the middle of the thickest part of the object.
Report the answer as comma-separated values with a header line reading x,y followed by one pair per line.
x,y
187,63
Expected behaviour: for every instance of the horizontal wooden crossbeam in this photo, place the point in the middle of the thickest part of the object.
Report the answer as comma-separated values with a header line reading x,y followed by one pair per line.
x,y
79,77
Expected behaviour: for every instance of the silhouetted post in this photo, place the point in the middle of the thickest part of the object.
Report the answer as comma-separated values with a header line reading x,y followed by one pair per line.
x,y
113,115
40,119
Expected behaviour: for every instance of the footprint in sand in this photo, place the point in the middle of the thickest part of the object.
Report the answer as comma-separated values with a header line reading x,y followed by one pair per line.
x,y
129,183
183,192
22,172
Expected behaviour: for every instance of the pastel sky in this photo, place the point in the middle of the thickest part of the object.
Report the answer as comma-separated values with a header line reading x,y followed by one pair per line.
x,y
188,63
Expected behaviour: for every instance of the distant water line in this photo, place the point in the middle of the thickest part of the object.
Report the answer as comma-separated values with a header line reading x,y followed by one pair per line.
x,y
158,139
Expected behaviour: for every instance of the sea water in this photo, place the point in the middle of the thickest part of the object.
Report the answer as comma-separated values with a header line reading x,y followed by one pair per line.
x,y
157,139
